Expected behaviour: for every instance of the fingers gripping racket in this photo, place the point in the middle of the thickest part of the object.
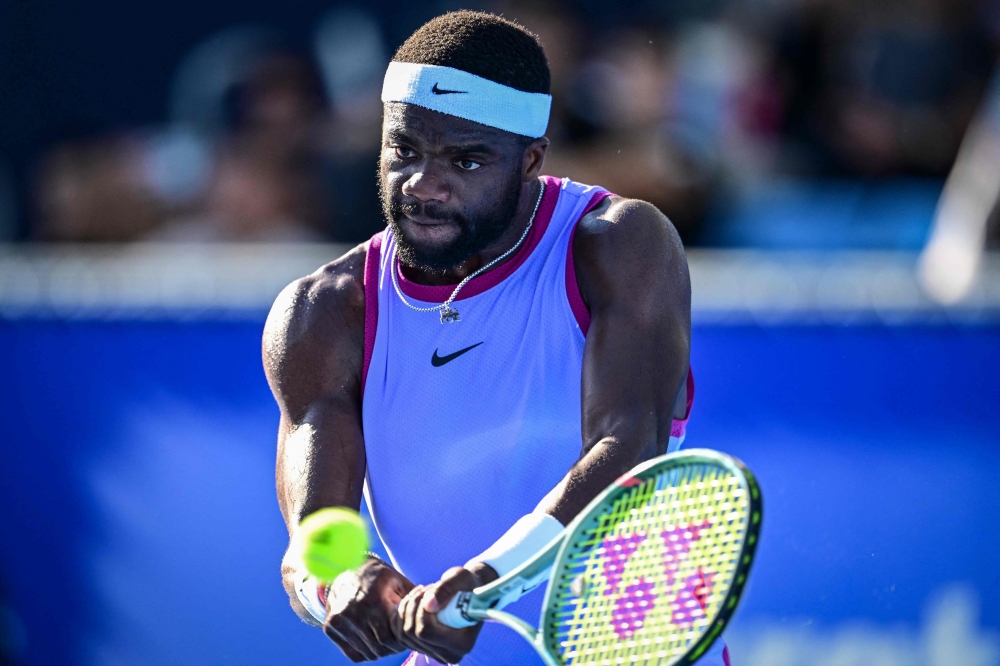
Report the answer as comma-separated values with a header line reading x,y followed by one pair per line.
x,y
649,573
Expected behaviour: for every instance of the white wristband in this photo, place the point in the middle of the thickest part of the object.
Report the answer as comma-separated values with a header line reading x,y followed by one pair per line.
x,y
527,536
307,589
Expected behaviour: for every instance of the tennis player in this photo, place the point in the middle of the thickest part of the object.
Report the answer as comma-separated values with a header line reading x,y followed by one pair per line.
x,y
481,369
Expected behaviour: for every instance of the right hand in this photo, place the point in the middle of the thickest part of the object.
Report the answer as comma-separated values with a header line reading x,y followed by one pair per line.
x,y
416,621
359,611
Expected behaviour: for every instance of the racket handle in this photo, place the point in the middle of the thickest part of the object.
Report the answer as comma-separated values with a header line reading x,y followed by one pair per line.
x,y
453,615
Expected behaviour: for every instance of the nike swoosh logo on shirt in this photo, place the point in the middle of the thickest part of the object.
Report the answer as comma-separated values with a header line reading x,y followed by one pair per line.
x,y
439,91
438,361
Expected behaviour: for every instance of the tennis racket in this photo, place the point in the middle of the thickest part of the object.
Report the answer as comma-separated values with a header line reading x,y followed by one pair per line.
x,y
648,574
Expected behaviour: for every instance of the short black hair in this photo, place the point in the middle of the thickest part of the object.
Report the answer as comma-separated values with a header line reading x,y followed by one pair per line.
x,y
483,44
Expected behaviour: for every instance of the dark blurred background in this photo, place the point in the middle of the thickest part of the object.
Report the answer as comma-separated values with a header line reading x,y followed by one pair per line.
x,y
166,168
224,121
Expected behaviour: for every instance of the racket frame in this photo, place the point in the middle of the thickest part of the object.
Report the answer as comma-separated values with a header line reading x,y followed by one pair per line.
x,y
481,603
639,474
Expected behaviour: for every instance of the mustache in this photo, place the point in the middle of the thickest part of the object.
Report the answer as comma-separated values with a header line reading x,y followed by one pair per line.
x,y
416,208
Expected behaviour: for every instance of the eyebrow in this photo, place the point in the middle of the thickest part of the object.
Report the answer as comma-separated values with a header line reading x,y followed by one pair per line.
x,y
482,148
399,135
468,149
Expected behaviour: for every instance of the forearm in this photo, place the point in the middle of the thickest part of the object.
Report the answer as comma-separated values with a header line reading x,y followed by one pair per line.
x,y
601,465
607,460
315,470
320,463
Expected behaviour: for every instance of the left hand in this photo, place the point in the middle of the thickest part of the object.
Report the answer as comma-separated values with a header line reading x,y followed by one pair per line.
x,y
416,626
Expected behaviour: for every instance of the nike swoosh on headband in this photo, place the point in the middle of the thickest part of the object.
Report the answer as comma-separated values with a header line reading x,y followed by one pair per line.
x,y
439,91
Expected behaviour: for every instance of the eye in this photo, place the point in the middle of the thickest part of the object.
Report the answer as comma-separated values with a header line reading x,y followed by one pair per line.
x,y
404,152
468,165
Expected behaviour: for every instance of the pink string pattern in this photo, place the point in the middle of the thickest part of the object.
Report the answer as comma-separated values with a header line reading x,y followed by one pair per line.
x,y
689,603
630,608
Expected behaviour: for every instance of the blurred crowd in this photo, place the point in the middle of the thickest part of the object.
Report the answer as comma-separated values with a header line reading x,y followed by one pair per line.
x,y
682,103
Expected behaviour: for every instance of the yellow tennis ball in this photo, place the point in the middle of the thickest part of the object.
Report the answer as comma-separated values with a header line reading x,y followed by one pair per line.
x,y
332,541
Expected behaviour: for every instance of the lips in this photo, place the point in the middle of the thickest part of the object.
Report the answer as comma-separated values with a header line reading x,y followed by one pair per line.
x,y
427,221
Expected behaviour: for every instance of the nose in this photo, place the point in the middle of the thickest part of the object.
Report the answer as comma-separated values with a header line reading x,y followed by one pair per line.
x,y
426,187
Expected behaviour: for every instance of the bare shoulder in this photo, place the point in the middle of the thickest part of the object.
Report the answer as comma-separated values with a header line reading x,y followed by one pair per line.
x,y
324,301
628,223
314,334
628,244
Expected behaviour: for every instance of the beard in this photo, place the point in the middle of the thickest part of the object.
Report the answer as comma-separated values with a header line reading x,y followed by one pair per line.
x,y
479,229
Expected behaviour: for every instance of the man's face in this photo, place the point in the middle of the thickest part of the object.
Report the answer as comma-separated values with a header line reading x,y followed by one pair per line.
x,y
450,187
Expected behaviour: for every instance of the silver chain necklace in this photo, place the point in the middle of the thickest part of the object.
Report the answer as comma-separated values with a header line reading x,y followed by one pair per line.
x,y
448,313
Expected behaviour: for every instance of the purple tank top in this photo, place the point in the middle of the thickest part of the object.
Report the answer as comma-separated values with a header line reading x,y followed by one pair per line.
x,y
469,424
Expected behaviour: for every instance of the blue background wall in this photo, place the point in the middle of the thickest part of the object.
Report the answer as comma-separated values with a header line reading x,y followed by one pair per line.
x,y
141,527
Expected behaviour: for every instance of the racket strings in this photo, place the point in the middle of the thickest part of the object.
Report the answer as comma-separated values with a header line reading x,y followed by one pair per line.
x,y
646,580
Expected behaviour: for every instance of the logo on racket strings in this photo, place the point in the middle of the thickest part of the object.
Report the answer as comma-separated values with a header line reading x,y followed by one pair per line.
x,y
634,603
690,601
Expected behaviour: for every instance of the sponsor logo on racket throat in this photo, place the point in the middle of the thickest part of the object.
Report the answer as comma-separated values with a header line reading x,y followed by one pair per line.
x,y
438,361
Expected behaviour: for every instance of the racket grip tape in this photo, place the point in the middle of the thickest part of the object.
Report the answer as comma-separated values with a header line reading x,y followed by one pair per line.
x,y
453,615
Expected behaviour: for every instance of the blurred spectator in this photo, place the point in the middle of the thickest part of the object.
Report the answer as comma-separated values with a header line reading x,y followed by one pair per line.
x,y
884,88
94,190
353,56
208,79
265,185
251,198
651,112
610,94
564,37
693,106
241,161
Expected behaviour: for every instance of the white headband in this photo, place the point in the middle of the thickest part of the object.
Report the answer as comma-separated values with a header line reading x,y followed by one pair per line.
x,y
468,96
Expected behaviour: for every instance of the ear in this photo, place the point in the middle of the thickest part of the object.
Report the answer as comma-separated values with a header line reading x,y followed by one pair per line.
x,y
534,156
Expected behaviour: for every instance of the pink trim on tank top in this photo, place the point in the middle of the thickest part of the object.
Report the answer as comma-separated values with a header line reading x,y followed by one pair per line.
x,y
490,279
372,258
576,302
679,426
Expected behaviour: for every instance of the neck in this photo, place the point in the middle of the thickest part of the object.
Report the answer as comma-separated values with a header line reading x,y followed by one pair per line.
x,y
525,208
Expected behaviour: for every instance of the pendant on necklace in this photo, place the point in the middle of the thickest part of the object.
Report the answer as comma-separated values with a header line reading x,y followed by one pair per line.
x,y
448,315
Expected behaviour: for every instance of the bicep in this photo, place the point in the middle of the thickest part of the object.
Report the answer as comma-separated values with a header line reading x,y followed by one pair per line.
x,y
312,360
637,350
